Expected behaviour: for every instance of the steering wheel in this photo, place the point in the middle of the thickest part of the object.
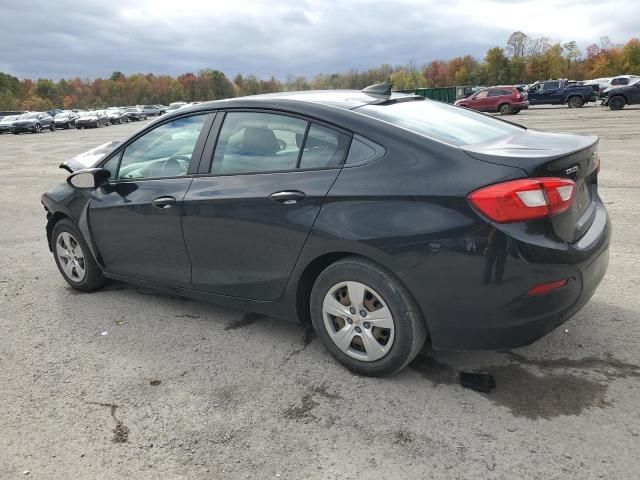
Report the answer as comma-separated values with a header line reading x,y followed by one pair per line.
x,y
171,167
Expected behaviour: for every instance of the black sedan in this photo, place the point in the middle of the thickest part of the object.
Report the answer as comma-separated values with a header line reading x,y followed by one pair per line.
x,y
65,120
117,115
33,122
381,219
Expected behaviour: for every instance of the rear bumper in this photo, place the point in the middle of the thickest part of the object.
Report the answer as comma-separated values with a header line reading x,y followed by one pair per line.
x,y
521,105
474,298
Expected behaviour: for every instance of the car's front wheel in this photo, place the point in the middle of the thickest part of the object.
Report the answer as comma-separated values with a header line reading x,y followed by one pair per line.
x,y
366,318
74,259
617,103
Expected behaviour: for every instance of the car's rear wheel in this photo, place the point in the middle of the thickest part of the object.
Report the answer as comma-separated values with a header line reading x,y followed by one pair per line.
x,y
515,112
366,318
505,109
617,103
74,259
52,127
575,102
37,128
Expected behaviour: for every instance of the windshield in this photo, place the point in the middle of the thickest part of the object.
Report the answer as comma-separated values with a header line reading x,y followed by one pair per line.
x,y
10,118
634,81
29,115
88,114
449,124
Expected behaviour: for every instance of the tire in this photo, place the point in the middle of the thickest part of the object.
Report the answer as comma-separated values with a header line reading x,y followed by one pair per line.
x,y
80,269
37,128
617,102
505,109
379,288
575,102
52,127
78,127
515,112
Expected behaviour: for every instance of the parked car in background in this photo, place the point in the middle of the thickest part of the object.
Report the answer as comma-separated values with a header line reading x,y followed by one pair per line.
x,y
33,122
621,80
65,119
175,106
617,97
54,112
162,109
150,110
388,218
5,113
117,115
135,113
6,123
559,92
507,100
92,119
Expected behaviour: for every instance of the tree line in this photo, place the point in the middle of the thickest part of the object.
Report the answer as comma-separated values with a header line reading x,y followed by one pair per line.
x,y
523,59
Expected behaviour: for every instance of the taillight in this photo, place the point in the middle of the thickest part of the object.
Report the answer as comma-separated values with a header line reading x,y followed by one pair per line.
x,y
524,199
543,288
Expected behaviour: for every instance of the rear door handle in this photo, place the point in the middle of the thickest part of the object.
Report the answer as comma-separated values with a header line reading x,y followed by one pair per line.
x,y
163,202
287,197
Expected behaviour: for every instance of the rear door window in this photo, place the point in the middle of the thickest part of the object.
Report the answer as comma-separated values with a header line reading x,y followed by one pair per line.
x,y
256,142
551,85
323,147
253,142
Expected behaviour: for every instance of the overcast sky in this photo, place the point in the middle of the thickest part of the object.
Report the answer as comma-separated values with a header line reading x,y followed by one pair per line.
x,y
64,38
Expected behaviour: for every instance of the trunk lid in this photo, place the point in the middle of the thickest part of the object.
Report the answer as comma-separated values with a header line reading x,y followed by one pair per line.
x,y
542,154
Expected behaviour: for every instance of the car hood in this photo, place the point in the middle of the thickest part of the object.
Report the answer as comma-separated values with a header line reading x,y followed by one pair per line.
x,y
529,149
90,158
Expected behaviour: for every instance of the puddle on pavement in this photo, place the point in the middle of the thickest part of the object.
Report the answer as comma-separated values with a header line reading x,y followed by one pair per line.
x,y
557,387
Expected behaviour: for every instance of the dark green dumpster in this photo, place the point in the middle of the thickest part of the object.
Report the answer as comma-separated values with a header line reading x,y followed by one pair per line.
x,y
441,94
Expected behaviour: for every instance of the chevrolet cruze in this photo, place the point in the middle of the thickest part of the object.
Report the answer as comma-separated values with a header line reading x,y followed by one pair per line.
x,y
381,219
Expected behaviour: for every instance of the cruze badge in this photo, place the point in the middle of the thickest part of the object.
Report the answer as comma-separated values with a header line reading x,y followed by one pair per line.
x,y
574,169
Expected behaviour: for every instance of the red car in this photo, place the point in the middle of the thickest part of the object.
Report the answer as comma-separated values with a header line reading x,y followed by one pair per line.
x,y
506,100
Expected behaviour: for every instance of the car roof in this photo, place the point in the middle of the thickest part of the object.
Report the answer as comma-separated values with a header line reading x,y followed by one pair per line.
x,y
346,99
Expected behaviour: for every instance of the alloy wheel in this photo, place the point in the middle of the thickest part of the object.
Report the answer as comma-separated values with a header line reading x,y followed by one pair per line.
x,y
71,257
358,321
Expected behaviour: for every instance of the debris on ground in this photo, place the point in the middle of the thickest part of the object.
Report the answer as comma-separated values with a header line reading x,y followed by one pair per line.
x,y
155,382
480,382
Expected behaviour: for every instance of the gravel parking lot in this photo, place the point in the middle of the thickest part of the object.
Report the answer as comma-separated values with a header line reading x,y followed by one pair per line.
x,y
181,389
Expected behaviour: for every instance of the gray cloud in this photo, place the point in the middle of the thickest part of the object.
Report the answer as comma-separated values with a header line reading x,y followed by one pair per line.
x,y
65,38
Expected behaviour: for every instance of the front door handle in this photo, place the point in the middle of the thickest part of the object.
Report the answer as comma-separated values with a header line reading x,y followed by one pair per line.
x,y
163,202
287,197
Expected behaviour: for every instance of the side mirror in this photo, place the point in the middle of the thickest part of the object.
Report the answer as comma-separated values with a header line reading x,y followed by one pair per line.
x,y
89,178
